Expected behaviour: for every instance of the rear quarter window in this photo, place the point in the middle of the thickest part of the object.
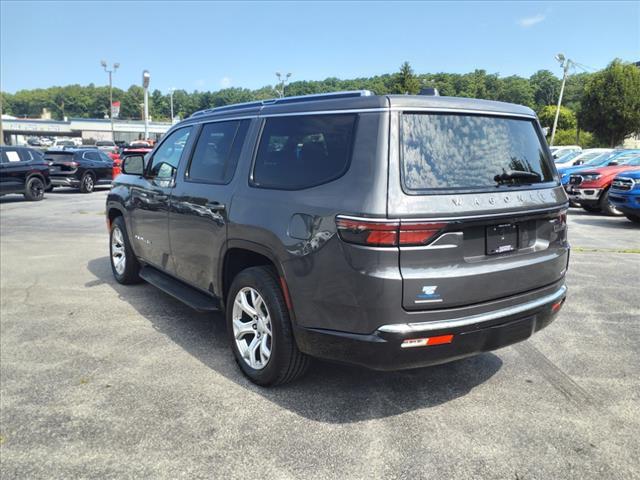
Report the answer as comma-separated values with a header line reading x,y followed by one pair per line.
x,y
466,152
297,152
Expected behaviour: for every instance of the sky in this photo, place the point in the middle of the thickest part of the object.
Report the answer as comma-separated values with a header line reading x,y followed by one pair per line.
x,y
212,45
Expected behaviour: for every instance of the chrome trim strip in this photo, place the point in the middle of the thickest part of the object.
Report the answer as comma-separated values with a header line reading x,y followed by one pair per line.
x,y
324,112
461,110
466,217
480,318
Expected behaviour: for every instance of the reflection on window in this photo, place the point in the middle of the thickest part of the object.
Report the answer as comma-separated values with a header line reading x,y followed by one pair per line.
x,y
444,151
167,157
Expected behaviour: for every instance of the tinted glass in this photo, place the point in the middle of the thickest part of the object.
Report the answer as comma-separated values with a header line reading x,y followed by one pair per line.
x,y
167,157
11,155
303,151
104,157
216,154
448,151
91,155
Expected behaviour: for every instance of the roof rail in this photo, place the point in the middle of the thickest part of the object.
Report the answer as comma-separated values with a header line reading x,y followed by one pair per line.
x,y
286,100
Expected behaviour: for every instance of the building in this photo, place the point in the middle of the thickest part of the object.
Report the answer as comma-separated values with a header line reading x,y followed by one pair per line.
x,y
16,130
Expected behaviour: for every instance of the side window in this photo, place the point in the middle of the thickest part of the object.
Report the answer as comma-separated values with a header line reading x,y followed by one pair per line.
x,y
303,151
25,155
11,155
166,158
216,154
104,157
90,155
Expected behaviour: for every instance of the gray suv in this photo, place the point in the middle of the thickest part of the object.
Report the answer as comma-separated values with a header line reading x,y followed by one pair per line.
x,y
390,232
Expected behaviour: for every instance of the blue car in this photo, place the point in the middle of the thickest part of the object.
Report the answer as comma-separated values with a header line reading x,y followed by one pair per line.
x,y
625,194
617,156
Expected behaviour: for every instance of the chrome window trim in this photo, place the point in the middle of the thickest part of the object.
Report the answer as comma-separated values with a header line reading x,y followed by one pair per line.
x,y
405,328
466,217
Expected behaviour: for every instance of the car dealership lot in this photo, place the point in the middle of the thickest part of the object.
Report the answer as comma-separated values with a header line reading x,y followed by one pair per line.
x,y
103,380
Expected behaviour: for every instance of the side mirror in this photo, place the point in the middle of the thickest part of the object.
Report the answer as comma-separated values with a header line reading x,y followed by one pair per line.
x,y
579,162
133,165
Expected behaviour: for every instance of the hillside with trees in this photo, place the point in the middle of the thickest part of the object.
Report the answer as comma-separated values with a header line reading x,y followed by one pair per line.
x,y
598,108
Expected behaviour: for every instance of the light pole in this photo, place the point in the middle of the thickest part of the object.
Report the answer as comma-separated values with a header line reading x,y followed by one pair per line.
x,y
565,63
114,67
282,82
146,76
171,90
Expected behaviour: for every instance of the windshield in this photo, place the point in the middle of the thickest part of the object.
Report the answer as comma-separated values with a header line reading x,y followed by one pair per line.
x,y
105,144
453,151
600,158
567,157
626,158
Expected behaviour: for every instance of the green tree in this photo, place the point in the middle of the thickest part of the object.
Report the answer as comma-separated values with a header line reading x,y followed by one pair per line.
x,y
566,119
406,81
546,88
610,106
516,90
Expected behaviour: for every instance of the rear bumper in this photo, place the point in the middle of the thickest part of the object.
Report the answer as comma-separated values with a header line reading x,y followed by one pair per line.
x,y
383,350
65,182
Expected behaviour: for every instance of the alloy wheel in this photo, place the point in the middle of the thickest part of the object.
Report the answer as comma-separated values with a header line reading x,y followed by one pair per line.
x,y
252,328
118,255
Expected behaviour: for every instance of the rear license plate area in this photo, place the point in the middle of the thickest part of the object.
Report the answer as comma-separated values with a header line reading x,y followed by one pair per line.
x,y
501,238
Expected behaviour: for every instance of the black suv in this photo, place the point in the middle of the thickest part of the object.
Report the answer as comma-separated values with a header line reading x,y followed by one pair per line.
x,y
385,231
23,170
81,168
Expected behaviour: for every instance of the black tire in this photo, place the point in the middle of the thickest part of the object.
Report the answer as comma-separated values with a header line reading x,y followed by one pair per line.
x,y
286,363
34,189
633,218
87,183
606,207
591,209
131,269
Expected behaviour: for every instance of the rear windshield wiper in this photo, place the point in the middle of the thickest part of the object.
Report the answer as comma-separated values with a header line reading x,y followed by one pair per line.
x,y
517,177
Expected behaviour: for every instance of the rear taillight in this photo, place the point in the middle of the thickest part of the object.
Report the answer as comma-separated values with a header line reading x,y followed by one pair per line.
x,y
387,233
560,222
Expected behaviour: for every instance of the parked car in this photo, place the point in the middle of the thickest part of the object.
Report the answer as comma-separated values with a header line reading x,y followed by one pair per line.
x,y
81,168
318,236
616,157
590,188
60,144
563,150
107,146
580,158
625,194
23,170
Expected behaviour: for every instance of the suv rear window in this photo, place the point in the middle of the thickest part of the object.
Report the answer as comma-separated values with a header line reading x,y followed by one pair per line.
x,y
303,151
467,152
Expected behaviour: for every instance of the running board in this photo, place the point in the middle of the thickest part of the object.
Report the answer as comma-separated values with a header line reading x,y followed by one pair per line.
x,y
179,290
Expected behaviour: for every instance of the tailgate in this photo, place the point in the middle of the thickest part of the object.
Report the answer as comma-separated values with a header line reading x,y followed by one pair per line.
x,y
488,183
475,261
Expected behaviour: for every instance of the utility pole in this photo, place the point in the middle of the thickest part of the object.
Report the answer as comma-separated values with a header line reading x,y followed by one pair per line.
x,y
171,90
282,81
110,72
565,63
146,77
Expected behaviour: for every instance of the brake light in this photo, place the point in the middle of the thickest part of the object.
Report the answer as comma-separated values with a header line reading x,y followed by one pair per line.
x,y
426,342
387,233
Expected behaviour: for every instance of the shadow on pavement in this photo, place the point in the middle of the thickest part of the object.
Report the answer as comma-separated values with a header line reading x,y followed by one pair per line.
x,y
329,392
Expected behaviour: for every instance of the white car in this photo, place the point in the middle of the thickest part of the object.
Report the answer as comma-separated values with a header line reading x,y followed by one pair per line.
x,y
578,158
558,152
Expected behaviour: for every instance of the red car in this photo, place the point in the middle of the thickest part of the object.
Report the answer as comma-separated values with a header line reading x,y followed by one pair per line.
x,y
590,188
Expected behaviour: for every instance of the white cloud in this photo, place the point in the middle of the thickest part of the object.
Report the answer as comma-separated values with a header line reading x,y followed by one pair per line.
x,y
527,22
225,82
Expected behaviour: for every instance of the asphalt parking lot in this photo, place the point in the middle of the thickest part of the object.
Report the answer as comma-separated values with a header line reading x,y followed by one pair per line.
x,y
98,380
